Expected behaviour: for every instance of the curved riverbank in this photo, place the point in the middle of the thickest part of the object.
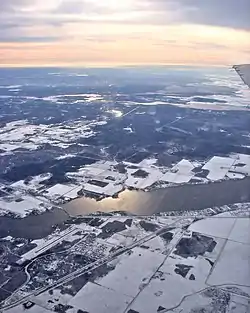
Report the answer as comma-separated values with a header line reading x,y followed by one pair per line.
x,y
179,198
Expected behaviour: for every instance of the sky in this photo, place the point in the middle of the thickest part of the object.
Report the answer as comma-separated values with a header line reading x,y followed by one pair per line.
x,y
124,32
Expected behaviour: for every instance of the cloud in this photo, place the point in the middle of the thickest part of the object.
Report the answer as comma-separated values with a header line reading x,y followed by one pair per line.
x,y
26,21
77,7
163,30
25,16
225,13
27,39
13,5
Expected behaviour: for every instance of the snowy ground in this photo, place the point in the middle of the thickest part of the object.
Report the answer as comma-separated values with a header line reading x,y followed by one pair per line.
x,y
166,264
109,178
22,309
93,298
146,174
129,275
22,135
42,245
22,205
57,191
235,256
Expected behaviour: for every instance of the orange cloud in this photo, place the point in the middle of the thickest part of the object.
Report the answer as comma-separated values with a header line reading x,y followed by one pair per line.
x,y
183,44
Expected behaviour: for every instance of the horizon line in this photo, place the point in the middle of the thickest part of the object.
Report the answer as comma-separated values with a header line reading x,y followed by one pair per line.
x,y
113,65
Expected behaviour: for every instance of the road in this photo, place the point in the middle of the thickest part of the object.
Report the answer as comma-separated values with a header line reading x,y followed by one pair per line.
x,y
171,247
96,264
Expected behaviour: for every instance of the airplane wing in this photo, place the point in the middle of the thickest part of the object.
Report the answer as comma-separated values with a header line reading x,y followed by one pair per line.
x,y
244,72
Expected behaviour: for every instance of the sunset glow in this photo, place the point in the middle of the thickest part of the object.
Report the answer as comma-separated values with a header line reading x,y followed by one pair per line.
x,y
112,32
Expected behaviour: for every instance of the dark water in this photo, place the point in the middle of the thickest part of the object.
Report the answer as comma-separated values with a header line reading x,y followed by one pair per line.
x,y
50,96
33,226
187,197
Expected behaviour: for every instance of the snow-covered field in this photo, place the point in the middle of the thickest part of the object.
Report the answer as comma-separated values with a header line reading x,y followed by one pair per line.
x,y
57,191
219,226
235,256
103,178
129,274
218,167
21,309
241,231
96,298
167,290
22,205
166,264
22,135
